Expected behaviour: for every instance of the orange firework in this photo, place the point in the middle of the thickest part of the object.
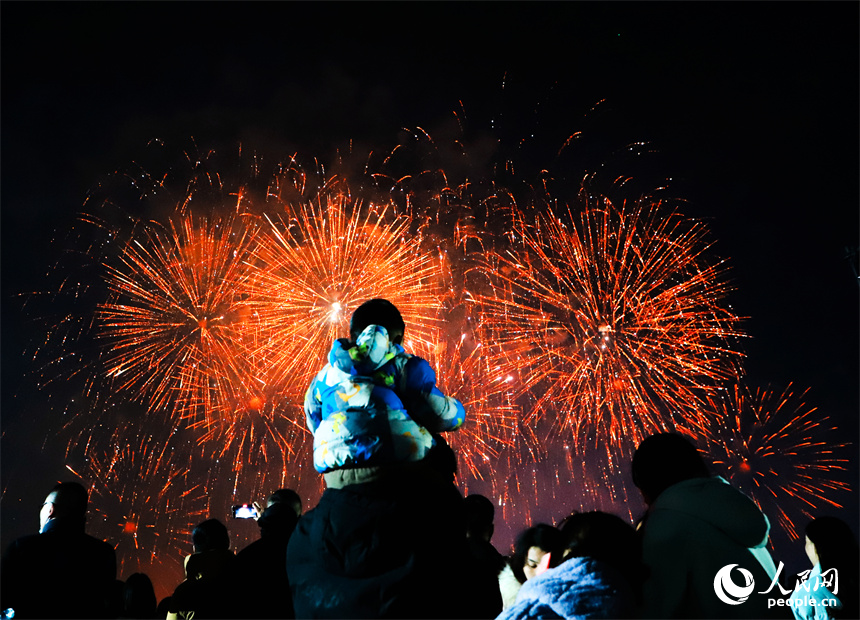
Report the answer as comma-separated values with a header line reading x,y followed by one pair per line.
x,y
150,523
177,324
777,450
491,420
609,325
324,258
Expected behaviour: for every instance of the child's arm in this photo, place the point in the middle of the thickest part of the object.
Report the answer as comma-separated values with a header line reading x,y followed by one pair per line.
x,y
425,403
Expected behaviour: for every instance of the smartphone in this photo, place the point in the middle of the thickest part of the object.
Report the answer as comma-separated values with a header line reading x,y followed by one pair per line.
x,y
245,511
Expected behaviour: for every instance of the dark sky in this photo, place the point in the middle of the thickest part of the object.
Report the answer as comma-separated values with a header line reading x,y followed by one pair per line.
x,y
751,107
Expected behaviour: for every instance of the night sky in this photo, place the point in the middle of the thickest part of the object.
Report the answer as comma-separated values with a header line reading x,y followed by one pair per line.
x,y
750,108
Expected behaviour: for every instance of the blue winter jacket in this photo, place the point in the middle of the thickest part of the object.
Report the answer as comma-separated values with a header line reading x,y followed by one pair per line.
x,y
578,588
375,404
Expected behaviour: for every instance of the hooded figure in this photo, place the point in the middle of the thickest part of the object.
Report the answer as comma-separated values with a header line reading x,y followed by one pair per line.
x,y
703,541
694,530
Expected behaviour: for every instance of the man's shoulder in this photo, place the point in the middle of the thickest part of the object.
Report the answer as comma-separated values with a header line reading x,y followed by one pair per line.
x,y
98,543
53,542
24,543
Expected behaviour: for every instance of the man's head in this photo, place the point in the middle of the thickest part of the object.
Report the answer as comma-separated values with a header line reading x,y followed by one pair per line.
x,y
286,496
210,535
665,459
378,312
66,502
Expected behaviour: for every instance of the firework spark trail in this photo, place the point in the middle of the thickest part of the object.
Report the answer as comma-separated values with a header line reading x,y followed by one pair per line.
x,y
326,257
778,450
613,325
173,329
491,421
150,523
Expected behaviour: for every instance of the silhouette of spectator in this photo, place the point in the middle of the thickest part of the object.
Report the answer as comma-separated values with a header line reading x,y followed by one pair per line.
x,y
830,546
262,565
163,608
599,577
384,539
531,549
209,588
695,526
485,561
138,597
287,496
62,572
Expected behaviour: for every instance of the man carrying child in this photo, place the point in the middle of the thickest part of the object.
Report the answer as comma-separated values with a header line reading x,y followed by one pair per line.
x,y
389,529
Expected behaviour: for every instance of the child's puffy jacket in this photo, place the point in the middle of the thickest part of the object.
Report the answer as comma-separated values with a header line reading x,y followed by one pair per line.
x,y
373,404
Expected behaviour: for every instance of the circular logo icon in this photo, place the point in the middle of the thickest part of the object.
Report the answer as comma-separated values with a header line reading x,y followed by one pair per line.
x,y
727,590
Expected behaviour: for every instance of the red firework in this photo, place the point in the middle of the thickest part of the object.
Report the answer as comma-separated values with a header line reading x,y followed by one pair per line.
x,y
324,258
177,325
150,524
491,420
778,450
611,325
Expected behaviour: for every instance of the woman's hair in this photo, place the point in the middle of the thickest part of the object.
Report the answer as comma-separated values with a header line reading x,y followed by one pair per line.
x,y
609,539
139,597
542,536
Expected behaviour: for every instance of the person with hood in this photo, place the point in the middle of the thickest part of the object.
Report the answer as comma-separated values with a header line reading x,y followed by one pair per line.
x,y
703,541
382,540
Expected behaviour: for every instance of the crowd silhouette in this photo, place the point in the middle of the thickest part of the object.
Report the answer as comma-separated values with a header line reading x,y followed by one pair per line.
x,y
393,537
589,565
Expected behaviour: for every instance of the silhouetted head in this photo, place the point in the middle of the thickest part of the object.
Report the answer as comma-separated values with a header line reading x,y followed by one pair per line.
x,y
835,543
139,597
286,496
66,502
480,514
210,535
378,312
531,547
607,538
663,460
278,520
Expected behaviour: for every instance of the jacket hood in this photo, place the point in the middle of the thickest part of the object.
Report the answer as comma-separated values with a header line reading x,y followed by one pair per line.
x,y
371,351
716,502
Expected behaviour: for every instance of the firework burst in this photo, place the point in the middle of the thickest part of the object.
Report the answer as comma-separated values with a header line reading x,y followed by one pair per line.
x,y
175,328
324,258
610,327
778,450
491,420
151,523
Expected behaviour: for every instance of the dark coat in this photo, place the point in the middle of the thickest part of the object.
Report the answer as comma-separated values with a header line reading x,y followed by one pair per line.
x,y
209,589
61,573
262,565
391,548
